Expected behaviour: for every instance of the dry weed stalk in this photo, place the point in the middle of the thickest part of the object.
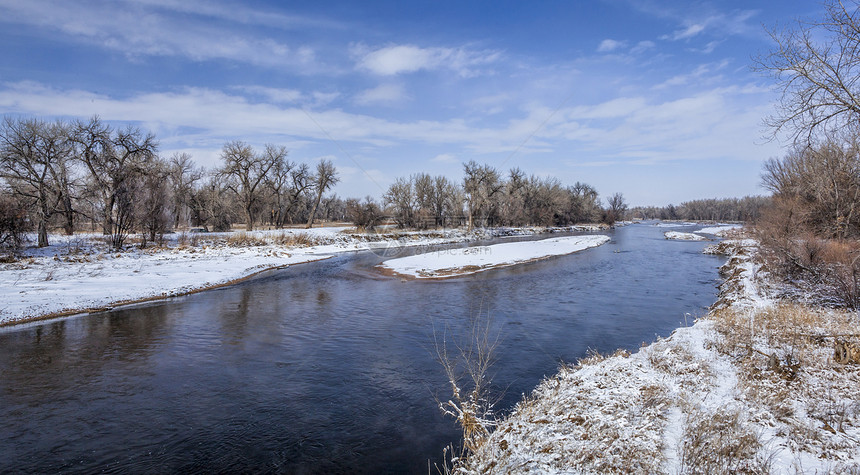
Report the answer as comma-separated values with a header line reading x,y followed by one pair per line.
x,y
468,372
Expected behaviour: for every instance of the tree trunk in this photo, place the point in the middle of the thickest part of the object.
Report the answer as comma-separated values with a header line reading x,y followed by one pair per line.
x,y
314,210
249,219
43,233
70,216
107,220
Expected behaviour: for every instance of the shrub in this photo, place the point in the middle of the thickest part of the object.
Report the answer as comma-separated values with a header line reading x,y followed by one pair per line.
x,y
13,223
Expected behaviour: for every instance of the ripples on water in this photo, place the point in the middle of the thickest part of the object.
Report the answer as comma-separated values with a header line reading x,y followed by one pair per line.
x,y
325,367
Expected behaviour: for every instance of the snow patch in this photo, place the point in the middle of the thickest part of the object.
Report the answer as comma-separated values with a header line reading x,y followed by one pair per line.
x,y
458,262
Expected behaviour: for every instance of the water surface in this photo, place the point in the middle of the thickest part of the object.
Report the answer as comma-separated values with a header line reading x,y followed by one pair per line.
x,y
321,368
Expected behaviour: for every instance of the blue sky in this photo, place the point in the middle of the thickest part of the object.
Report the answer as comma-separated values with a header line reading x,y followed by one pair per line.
x,y
654,99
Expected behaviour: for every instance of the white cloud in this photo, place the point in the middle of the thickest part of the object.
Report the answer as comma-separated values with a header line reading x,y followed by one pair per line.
x,y
382,94
140,29
710,124
642,46
609,45
400,59
688,32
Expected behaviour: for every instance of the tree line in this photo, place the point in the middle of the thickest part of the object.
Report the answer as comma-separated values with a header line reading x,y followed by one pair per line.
x,y
488,197
746,209
88,173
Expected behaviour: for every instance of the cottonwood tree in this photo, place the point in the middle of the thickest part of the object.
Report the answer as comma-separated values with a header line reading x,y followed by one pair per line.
x,y
212,206
245,170
152,209
325,178
364,214
400,198
34,157
182,174
114,158
616,207
817,67
481,187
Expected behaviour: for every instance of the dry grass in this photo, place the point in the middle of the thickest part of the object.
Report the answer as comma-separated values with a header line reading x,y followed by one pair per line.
x,y
295,239
243,239
720,442
785,355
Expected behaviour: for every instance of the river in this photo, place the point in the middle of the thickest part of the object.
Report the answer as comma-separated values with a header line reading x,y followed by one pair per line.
x,y
324,367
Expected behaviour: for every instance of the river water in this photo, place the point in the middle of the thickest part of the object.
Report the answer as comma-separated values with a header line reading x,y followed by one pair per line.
x,y
325,367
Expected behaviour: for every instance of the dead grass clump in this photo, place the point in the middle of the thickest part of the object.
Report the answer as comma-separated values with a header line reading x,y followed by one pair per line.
x,y
242,239
720,442
593,357
673,358
295,239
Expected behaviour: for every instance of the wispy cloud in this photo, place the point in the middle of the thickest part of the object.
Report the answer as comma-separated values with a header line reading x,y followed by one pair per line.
x,y
625,128
382,94
150,28
401,59
609,45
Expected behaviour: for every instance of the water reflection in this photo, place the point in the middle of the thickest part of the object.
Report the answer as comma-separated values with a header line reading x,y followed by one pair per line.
x,y
323,368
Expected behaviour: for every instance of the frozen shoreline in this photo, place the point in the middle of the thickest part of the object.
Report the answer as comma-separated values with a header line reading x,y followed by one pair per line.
x,y
715,397
77,274
471,260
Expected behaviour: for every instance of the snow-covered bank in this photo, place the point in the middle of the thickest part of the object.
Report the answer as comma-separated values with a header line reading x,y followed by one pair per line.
x,y
458,262
79,273
751,388
721,230
679,236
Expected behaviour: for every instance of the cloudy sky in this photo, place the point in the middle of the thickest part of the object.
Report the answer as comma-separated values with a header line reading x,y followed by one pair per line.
x,y
654,99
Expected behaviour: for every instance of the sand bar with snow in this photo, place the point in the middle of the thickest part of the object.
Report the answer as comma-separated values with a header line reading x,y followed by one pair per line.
x,y
679,236
458,262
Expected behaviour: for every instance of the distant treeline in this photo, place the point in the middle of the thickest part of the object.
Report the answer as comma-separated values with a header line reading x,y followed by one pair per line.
x,y
487,197
747,209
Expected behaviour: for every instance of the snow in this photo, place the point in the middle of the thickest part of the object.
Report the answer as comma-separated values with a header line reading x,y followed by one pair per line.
x,y
78,274
720,230
703,400
458,262
676,235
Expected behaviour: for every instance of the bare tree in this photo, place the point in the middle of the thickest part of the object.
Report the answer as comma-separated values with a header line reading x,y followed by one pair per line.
x,y
13,221
182,175
817,66
325,178
33,155
211,205
246,170
364,214
481,185
400,197
278,183
616,208
152,201
113,158
823,180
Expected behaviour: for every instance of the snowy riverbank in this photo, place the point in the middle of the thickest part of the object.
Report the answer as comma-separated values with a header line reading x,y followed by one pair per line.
x,y
459,262
751,388
79,274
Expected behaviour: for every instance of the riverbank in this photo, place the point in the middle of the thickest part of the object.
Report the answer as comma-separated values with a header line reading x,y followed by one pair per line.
x,y
81,274
753,387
